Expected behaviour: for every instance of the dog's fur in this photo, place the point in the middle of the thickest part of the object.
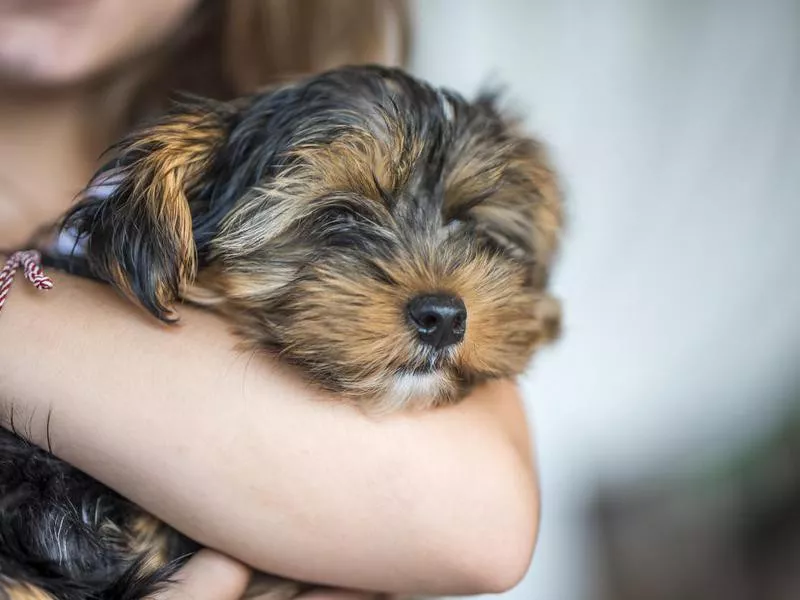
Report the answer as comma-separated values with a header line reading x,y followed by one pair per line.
x,y
311,215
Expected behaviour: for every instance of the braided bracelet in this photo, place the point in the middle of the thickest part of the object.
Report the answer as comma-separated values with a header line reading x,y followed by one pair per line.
x,y
29,261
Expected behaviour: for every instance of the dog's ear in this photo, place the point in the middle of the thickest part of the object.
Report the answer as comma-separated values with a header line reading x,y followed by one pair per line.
x,y
535,179
503,179
135,217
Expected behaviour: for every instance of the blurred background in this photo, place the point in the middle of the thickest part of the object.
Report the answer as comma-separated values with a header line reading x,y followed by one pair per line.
x,y
667,418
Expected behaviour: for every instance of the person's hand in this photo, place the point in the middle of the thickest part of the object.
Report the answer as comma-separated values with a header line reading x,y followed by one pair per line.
x,y
208,576
212,576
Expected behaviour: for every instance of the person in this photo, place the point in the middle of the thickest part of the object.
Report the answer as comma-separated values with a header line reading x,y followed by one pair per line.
x,y
231,449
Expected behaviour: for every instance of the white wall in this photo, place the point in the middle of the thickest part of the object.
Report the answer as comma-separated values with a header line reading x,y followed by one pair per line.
x,y
677,127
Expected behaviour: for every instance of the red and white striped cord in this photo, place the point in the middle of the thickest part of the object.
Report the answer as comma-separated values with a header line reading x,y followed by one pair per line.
x,y
29,261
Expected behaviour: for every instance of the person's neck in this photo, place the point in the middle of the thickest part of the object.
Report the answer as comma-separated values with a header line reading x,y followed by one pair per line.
x,y
49,144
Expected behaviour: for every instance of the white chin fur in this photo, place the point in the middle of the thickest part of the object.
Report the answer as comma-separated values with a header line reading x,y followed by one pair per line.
x,y
415,389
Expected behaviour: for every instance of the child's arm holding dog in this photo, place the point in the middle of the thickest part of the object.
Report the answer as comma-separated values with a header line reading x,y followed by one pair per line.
x,y
239,455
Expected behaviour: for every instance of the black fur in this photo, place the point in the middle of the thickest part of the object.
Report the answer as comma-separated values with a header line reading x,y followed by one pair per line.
x,y
67,534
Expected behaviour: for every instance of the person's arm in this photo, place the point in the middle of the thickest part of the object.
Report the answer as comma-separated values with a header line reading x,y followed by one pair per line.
x,y
240,455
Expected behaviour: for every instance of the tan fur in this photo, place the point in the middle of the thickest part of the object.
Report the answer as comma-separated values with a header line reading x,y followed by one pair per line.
x,y
185,148
148,536
357,163
518,190
176,153
362,162
537,174
361,324
358,323
12,590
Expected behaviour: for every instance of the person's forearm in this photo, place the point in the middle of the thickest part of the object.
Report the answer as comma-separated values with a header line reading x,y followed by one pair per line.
x,y
240,455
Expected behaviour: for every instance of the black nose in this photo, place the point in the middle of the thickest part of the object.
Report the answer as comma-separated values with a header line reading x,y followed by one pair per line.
x,y
440,319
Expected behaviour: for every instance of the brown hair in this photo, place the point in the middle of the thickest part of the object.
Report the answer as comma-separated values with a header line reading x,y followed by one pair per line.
x,y
234,47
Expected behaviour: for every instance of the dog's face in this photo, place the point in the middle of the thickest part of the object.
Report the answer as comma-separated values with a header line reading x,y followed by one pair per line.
x,y
392,240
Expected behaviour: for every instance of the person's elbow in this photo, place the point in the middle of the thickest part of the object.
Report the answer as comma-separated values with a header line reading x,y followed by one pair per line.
x,y
500,561
491,549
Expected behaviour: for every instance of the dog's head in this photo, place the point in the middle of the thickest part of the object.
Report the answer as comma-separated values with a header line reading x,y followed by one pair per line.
x,y
392,240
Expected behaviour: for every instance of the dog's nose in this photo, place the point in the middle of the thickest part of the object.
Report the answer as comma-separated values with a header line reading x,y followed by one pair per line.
x,y
440,319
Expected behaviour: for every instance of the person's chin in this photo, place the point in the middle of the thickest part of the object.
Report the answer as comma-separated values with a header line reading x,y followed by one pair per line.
x,y
49,73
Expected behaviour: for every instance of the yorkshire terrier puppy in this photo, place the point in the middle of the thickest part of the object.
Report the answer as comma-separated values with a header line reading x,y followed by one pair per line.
x,y
390,240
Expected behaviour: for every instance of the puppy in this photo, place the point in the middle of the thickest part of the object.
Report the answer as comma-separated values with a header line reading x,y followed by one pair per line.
x,y
390,240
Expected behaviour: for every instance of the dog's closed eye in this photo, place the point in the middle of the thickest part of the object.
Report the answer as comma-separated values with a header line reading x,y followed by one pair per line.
x,y
499,241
